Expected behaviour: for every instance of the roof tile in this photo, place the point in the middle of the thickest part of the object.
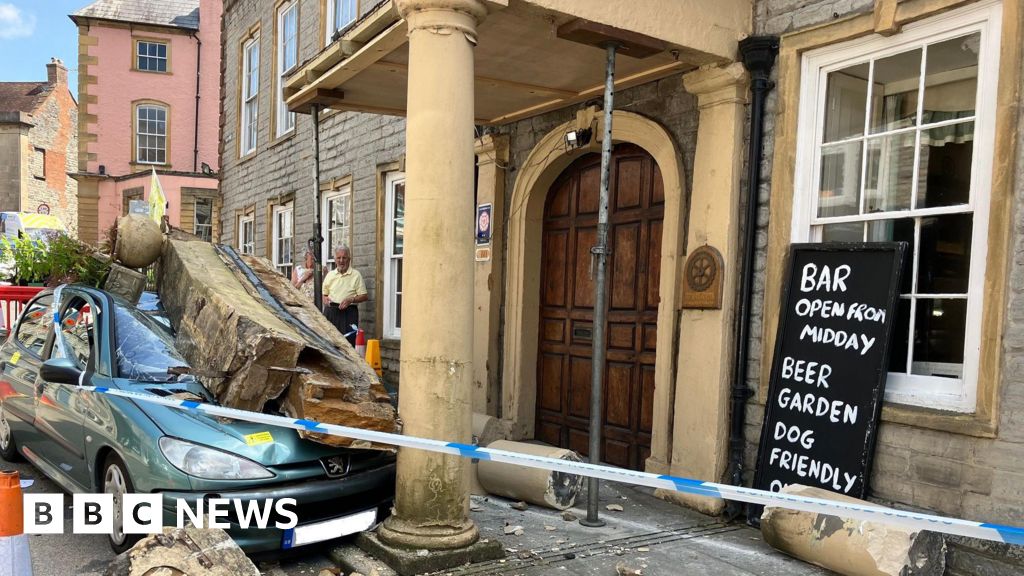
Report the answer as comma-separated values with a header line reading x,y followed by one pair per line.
x,y
175,13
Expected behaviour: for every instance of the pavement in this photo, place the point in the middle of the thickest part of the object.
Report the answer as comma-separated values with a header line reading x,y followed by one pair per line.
x,y
648,536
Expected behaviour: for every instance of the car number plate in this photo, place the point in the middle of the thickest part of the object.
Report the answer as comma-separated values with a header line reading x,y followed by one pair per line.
x,y
328,529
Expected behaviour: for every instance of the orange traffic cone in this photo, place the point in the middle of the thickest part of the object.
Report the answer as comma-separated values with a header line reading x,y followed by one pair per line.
x,y
361,343
373,355
15,559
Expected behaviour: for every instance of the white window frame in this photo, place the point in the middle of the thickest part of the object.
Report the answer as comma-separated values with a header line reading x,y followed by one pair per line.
x,y
391,260
285,118
250,99
247,234
277,256
139,133
166,57
344,195
332,10
953,394
195,216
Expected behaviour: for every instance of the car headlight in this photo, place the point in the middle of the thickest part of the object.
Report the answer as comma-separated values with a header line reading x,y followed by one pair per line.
x,y
209,463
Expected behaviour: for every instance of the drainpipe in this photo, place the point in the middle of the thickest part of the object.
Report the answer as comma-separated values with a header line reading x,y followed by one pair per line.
x,y
317,241
758,56
199,59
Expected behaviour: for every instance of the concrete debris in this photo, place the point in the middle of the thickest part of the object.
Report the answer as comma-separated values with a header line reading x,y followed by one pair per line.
x,y
643,549
624,569
851,547
517,530
240,342
569,516
184,552
614,507
331,572
522,506
549,528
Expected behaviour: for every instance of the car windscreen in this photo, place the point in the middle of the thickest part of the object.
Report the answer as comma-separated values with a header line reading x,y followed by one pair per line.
x,y
145,349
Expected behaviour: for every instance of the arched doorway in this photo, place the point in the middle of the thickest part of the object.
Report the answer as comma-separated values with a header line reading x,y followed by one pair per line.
x,y
565,331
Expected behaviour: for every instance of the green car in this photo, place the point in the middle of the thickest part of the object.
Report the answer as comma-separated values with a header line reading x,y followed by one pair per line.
x,y
91,442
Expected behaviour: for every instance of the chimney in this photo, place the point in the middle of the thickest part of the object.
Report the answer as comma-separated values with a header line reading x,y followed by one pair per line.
x,y
56,73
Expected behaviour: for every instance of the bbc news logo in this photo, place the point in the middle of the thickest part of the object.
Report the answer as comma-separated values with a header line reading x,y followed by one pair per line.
x,y
144,513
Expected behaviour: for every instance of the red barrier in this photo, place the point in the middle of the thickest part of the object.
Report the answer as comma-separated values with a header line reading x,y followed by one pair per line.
x,y
12,302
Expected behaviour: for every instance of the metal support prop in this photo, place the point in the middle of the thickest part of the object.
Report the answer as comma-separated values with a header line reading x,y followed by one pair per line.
x,y
318,239
600,256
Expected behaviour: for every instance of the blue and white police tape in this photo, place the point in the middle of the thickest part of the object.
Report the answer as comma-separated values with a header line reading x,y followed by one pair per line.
x,y
857,511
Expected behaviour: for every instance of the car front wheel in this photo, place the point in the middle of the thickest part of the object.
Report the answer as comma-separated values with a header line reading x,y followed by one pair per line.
x,y
117,482
8,450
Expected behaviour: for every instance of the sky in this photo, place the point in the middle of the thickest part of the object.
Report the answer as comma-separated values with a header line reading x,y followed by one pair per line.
x,y
33,31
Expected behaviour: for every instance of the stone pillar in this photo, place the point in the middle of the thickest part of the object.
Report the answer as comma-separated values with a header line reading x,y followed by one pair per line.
x,y
432,495
700,445
488,280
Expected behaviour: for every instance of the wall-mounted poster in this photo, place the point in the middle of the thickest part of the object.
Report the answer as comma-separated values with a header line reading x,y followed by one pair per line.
x,y
483,224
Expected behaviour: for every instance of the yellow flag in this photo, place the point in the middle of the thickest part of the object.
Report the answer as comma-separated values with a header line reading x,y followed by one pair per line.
x,y
157,200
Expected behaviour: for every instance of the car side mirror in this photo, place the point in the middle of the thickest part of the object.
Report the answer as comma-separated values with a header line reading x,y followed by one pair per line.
x,y
61,371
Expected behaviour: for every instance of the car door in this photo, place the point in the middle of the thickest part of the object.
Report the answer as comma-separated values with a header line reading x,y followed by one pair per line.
x,y
59,413
20,362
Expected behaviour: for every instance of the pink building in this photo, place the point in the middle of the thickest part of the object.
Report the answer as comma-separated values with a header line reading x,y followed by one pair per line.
x,y
149,90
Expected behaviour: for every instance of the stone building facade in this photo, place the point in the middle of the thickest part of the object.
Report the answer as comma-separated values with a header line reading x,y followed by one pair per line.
x,y
962,461
680,129
38,147
357,152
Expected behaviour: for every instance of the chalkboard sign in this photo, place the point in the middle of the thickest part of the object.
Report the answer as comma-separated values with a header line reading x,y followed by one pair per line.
x,y
830,365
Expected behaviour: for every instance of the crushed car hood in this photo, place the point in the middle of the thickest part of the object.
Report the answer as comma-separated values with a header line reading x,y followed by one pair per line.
x,y
283,446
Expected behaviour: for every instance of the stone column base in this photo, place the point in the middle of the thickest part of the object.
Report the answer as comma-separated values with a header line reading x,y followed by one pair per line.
x,y
702,504
409,562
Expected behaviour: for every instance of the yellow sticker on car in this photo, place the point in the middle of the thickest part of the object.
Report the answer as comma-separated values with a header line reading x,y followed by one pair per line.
x,y
258,438
15,357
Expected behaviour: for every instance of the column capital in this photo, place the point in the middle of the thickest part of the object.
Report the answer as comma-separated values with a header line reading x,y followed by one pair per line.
x,y
442,14
491,148
718,85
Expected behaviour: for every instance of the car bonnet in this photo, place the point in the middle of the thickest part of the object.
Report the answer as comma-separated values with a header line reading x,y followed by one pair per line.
x,y
266,445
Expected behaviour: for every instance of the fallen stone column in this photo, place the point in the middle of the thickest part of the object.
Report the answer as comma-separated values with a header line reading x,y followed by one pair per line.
x,y
851,547
552,489
249,354
184,551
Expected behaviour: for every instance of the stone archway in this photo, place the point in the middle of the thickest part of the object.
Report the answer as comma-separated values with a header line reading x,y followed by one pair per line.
x,y
522,287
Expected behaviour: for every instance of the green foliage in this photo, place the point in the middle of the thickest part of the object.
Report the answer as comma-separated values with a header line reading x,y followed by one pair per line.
x,y
60,260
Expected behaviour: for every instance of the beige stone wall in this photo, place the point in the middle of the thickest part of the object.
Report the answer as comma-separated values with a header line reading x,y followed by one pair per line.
x,y
56,132
13,169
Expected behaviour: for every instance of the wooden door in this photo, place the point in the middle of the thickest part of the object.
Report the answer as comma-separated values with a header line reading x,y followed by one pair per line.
x,y
567,306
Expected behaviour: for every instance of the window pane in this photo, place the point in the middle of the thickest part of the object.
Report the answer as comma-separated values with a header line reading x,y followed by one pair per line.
x,y
939,330
951,75
840,180
398,230
945,254
846,99
896,83
944,177
890,173
845,232
35,325
204,211
900,337
901,230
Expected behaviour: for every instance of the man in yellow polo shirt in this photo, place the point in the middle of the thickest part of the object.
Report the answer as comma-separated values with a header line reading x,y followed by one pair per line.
x,y
343,289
